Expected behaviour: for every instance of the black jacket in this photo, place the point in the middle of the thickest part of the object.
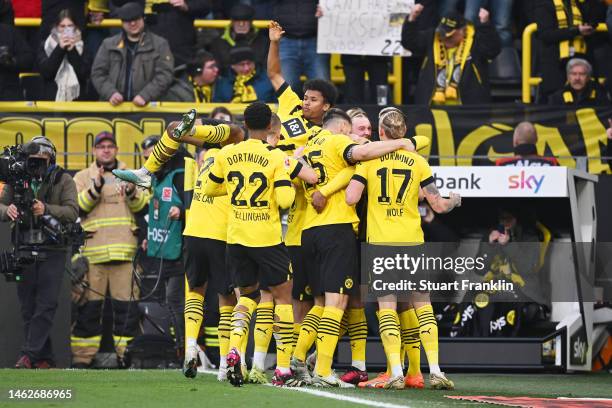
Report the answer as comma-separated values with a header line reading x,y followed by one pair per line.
x,y
552,68
474,83
258,40
18,59
297,17
176,26
593,94
48,66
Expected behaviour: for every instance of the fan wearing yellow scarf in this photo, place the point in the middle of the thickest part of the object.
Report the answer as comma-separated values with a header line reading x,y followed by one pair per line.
x,y
244,82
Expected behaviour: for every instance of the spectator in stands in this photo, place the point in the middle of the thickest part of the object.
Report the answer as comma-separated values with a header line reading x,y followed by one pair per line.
x,y
501,14
222,113
581,89
51,9
244,82
355,68
298,49
562,32
15,55
173,20
61,61
196,83
241,33
134,65
361,125
458,53
524,142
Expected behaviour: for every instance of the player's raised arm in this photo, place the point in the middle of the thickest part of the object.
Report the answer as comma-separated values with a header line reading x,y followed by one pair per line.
x,y
274,65
438,203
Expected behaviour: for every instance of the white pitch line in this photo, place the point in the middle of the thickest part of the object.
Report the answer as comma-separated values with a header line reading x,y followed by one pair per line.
x,y
331,395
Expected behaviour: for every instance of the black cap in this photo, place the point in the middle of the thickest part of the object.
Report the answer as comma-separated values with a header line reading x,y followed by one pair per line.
x,y
242,12
238,54
102,136
451,22
130,11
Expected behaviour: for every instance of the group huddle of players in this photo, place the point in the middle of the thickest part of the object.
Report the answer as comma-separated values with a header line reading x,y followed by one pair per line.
x,y
303,286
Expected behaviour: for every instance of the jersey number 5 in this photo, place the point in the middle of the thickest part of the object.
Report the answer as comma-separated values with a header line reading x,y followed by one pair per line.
x,y
237,200
318,167
405,176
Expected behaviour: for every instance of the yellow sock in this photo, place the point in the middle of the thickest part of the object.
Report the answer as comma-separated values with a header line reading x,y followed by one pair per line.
x,y
194,315
388,372
162,152
391,338
343,326
212,134
263,326
358,331
308,332
428,333
225,322
283,334
327,339
241,318
411,340
296,334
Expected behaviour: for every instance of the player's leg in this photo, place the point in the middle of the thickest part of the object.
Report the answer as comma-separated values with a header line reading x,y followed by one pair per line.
x,y
262,335
358,332
409,324
244,271
390,335
275,269
196,276
428,333
301,292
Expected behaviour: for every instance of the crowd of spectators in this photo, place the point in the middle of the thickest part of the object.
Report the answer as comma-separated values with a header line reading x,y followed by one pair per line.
x,y
158,54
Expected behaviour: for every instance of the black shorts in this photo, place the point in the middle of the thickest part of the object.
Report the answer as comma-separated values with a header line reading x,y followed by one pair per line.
x,y
205,261
301,288
251,265
330,252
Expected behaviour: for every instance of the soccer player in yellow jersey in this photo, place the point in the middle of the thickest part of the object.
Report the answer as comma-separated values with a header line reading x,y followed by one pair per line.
x,y
301,118
259,183
205,242
328,237
176,133
393,182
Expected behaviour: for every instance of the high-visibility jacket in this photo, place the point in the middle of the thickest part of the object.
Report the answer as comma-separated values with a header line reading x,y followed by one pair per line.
x,y
109,217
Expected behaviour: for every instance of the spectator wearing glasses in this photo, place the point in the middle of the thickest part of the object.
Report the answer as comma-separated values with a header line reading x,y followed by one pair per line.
x,y
197,82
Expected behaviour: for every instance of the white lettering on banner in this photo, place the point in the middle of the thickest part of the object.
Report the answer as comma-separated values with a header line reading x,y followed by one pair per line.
x,y
363,27
490,181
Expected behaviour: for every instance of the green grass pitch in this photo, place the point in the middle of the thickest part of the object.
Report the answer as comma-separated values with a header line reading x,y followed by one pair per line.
x,y
168,388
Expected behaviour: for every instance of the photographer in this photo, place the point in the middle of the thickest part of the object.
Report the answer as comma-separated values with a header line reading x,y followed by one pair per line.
x,y
55,194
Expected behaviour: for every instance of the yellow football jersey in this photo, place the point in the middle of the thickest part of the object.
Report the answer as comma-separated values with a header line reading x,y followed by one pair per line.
x,y
392,183
207,217
326,153
295,129
257,181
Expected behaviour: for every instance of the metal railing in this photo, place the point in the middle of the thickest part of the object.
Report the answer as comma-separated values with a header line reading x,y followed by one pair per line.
x,y
530,81
337,75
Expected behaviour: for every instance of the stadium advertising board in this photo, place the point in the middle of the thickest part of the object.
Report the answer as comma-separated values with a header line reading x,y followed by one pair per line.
x,y
465,136
502,181
358,27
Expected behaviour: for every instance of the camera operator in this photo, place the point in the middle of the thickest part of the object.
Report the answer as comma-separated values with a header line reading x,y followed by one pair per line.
x,y
107,207
55,194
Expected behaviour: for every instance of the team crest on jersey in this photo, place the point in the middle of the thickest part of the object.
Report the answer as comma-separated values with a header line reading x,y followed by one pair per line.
x,y
348,283
307,290
166,194
294,127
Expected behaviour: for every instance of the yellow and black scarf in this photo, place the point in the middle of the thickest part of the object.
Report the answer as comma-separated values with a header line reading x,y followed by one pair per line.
x,y
244,91
449,69
569,48
201,94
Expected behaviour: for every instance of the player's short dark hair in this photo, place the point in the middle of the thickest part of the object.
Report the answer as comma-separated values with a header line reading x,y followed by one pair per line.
x,y
275,120
257,116
327,89
336,114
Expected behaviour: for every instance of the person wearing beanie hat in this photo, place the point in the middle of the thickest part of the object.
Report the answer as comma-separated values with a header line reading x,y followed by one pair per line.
x,y
241,33
245,81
